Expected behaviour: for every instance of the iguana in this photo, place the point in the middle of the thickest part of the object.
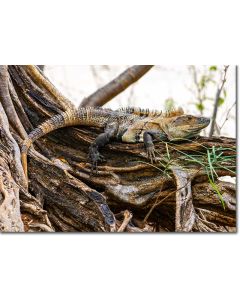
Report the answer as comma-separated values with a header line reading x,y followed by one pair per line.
x,y
129,125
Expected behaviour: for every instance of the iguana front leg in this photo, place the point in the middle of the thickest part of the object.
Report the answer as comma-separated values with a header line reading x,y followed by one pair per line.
x,y
148,137
100,141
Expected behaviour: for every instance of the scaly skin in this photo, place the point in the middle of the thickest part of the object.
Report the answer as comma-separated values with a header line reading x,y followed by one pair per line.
x,y
129,125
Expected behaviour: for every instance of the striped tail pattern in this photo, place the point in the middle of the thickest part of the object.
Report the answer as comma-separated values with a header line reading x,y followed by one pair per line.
x,y
83,116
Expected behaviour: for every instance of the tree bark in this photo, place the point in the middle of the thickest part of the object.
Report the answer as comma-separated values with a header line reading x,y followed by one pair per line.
x,y
128,194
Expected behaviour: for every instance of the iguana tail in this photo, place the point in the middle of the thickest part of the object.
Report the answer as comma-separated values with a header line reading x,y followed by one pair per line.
x,y
53,123
83,116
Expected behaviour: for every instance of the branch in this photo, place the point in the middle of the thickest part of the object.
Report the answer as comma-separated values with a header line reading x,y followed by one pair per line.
x,y
116,86
7,104
46,84
218,94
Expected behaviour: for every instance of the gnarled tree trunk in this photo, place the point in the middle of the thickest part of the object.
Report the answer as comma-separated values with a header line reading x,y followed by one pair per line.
x,y
128,194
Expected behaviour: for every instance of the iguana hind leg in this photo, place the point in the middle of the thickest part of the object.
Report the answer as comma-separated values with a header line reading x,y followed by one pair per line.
x,y
101,140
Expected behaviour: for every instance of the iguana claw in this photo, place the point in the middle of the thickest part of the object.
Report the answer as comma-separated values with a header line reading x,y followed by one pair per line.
x,y
151,154
94,157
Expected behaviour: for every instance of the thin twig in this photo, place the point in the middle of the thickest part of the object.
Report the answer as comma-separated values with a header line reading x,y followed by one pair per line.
x,y
236,97
127,219
218,94
198,91
130,96
227,116
95,76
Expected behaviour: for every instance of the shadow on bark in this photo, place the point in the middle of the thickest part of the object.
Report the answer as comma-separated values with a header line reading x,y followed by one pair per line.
x,y
181,192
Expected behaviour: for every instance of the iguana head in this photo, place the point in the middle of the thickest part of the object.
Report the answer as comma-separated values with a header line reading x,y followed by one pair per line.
x,y
184,126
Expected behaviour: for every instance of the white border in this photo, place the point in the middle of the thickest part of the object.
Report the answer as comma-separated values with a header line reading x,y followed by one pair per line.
x,y
112,266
